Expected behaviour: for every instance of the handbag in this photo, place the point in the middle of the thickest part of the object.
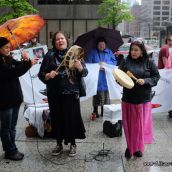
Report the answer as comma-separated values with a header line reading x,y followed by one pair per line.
x,y
112,130
82,88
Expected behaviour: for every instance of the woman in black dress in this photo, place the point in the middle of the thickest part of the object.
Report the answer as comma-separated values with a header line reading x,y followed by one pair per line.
x,y
63,95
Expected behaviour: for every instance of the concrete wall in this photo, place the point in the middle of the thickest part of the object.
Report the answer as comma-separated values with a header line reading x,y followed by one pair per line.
x,y
68,11
72,19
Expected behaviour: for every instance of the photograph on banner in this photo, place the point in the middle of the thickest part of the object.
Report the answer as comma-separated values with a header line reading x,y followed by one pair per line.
x,y
37,52
32,74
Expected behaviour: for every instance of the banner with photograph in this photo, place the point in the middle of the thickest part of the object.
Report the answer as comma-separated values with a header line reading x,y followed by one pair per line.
x,y
32,87
37,52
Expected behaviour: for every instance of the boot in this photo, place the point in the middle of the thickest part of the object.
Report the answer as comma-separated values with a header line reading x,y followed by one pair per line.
x,y
95,111
127,154
101,111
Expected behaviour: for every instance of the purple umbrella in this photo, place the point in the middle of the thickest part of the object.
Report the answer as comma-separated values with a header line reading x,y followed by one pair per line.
x,y
88,40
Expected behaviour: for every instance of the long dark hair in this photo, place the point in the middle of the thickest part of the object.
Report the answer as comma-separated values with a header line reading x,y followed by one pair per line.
x,y
54,38
141,45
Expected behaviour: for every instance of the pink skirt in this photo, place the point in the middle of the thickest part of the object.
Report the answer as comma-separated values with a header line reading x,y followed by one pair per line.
x,y
137,123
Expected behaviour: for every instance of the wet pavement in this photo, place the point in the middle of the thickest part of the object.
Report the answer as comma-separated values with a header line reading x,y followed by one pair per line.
x,y
157,156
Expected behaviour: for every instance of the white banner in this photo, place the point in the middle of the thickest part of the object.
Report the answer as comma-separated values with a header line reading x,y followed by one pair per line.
x,y
163,93
30,83
91,81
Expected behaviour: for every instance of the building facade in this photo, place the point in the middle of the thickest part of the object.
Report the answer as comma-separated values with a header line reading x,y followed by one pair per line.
x,y
74,17
134,26
156,15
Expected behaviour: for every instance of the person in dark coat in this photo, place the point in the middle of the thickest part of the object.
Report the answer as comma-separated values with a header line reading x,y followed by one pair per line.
x,y
63,95
11,97
136,102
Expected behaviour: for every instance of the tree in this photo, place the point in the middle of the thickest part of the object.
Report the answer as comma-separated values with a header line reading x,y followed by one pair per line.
x,y
16,8
114,12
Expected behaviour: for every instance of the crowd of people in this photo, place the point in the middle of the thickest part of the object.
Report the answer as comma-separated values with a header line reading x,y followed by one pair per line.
x,y
63,92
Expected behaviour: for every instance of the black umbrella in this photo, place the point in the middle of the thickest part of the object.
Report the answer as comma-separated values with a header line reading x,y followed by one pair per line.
x,y
88,40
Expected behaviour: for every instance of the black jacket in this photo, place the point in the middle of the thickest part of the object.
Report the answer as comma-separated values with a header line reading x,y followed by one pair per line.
x,y
144,69
10,89
61,84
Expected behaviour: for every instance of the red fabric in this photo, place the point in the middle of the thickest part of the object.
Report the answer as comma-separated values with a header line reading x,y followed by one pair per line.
x,y
156,105
164,52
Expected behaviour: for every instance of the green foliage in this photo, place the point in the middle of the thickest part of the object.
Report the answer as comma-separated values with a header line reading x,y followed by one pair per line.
x,y
114,12
17,8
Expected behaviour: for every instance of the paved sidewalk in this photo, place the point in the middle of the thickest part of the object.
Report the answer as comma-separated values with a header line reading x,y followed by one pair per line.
x,y
157,157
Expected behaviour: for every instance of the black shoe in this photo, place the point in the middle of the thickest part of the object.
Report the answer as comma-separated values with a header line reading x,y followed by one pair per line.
x,y
170,114
138,154
127,154
97,115
16,156
57,150
22,154
72,150
101,111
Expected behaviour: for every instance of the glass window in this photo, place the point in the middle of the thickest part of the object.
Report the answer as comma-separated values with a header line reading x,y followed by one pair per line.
x,y
156,12
53,26
156,28
165,18
156,18
165,13
165,7
67,27
156,7
91,24
169,30
156,23
166,2
164,23
157,2
69,1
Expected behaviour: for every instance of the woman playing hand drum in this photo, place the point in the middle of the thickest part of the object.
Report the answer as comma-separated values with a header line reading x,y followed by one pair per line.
x,y
136,105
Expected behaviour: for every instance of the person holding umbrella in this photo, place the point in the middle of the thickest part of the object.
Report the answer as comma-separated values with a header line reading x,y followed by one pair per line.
x,y
11,97
101,54
63,94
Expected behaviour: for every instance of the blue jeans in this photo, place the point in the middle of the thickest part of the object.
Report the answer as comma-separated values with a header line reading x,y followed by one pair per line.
x,y
8,119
